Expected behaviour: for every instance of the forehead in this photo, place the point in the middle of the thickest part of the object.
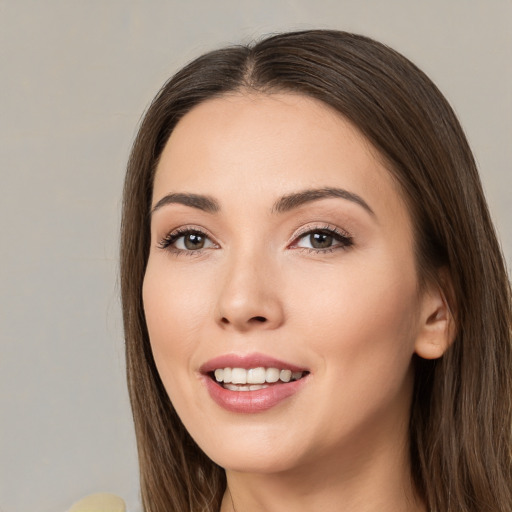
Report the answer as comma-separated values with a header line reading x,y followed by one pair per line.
x,y
275,144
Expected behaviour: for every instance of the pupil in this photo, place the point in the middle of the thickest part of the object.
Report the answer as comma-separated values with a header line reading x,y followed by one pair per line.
x,y
320,240
194,241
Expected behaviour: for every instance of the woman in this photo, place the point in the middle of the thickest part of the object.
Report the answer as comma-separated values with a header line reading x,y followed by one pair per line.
x,y
316,309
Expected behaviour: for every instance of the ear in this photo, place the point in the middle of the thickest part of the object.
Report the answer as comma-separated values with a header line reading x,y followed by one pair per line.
x,y
437,329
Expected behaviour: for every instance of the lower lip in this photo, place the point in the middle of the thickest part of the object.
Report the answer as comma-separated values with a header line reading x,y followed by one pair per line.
x,y
250,402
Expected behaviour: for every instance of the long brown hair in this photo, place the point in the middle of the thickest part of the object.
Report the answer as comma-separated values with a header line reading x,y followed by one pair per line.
x,y
461,417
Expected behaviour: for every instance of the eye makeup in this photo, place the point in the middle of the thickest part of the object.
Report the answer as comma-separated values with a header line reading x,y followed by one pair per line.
x,y
187,239
321,239
324,238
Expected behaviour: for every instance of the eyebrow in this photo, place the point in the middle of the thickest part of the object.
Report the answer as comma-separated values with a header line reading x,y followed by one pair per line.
x,y
282,205
205,203
291,201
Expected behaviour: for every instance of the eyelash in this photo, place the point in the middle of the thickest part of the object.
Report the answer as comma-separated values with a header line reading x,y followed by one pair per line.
x,y
343,240
167,243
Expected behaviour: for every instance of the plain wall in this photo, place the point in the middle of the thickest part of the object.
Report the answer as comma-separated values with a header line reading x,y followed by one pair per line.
x,y
75,79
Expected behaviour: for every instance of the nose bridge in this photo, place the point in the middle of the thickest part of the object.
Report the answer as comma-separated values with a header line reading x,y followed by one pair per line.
x,y
248,295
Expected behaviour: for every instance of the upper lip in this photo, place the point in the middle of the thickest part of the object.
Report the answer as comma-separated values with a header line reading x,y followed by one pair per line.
x,y
248,361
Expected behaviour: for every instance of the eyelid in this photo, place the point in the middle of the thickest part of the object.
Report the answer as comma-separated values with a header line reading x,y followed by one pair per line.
x,y
311,228
166,242
344,239
172,235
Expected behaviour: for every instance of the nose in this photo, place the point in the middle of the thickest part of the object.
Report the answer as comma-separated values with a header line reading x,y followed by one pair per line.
x,y
249,296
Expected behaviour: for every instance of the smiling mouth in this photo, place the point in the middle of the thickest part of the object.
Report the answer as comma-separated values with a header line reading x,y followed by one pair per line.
x,y
253,379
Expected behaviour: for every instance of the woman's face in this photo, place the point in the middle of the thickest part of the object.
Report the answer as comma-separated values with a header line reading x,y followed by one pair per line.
x,y
281,245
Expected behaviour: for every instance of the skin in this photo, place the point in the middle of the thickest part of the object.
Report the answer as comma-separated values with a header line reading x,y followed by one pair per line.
x,y
352,314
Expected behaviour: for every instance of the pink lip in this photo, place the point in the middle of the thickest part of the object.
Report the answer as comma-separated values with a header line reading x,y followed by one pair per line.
x,y
250,401
248,361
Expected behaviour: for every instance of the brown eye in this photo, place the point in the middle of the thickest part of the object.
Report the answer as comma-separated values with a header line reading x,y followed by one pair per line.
x,y
187,240
194,241
324,240
320,240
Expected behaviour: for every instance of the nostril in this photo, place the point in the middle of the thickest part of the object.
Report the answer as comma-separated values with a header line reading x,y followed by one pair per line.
x,y
252,320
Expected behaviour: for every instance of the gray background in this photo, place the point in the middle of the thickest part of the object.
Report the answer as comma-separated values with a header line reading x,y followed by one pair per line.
x,y
75,78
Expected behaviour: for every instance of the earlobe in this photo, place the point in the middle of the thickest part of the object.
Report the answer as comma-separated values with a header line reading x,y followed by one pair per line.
x,y
437,324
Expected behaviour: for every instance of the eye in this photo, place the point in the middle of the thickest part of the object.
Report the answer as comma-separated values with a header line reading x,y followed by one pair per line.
x,y
323,240
186,240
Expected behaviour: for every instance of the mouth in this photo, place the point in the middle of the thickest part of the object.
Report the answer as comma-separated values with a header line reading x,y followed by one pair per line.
x,y
253,379
252,383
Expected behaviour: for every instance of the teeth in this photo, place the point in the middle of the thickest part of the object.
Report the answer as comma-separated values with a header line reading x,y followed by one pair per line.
x,y
286,375
258,376
238,376
253,387
272,375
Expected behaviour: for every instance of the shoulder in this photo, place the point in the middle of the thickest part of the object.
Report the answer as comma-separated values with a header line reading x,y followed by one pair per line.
x,y
101,502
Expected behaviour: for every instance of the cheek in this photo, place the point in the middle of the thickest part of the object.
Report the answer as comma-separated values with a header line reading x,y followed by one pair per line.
x,y
362,327
173,308
366,317
177,307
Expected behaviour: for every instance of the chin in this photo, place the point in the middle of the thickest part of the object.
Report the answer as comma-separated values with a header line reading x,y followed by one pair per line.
x,y
252,453
255,462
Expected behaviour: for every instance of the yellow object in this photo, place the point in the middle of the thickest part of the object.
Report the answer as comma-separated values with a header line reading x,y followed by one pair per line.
x,y
101,502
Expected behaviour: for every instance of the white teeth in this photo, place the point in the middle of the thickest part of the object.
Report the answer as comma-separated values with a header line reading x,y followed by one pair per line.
x,y
272,375
227,375
257,376
239,376
285,375
254,387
